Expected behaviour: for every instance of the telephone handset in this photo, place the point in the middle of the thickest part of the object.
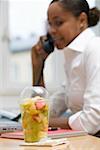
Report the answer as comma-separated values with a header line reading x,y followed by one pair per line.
x,y
48,44
48,47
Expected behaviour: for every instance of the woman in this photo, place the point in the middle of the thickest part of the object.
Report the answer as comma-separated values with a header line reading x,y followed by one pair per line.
x,y
69,22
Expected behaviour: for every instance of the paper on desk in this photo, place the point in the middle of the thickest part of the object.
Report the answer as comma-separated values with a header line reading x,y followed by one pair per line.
x,y
48,142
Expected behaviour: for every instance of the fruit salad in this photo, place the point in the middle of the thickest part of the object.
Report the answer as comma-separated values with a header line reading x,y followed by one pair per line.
x,y
34,118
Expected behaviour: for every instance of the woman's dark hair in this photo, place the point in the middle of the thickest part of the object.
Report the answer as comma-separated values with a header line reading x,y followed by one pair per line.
x,y
79,6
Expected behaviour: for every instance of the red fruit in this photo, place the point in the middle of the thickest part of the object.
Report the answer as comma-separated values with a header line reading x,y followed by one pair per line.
x,y
40,104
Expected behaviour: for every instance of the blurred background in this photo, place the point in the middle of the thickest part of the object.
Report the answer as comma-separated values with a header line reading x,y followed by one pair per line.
x,y
21,24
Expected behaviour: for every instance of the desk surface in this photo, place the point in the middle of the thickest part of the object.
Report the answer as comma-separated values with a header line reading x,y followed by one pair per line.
x,y
76,143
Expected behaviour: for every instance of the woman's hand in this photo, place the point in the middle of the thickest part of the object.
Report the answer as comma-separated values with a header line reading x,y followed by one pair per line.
x,y
61,122
38,56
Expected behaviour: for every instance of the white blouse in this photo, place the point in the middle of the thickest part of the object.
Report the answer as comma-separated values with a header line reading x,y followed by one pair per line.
x,y
81,92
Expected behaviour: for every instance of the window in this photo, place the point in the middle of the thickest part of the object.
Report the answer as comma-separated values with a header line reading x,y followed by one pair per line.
x,y
21,23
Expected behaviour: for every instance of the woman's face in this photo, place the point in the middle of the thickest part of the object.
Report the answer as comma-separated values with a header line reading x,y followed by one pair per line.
x,y
63,25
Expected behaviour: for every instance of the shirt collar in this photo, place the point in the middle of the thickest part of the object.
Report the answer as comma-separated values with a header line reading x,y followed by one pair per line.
x,y
81,41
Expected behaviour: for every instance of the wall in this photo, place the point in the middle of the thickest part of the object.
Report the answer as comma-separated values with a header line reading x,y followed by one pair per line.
x,y
97,28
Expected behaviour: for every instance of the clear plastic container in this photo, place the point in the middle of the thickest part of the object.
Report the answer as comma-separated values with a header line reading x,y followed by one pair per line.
x,y
34,113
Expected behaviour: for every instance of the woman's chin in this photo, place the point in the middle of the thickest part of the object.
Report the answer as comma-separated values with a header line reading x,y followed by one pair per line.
x,y
60,46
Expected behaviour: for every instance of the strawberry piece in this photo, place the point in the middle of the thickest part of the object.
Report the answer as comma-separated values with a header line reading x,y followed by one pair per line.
x,y
40,104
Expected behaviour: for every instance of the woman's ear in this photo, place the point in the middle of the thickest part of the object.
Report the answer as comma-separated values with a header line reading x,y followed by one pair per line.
x,y
83,21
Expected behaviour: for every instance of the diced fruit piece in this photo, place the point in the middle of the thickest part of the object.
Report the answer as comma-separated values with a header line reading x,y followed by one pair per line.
x,y
33,110
37,118
40,104
26,104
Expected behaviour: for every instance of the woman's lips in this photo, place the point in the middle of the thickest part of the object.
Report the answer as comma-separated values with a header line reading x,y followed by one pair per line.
x,y
57,40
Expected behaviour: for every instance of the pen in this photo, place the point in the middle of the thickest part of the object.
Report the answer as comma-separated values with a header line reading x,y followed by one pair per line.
x,y
52,128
